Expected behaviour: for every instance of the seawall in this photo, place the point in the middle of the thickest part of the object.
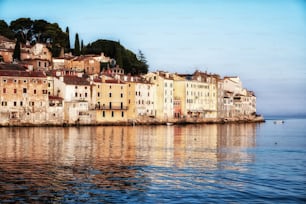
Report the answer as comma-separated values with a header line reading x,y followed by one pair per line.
x,y
257,119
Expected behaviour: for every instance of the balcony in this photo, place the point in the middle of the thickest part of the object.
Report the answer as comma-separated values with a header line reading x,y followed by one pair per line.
x,y
98,107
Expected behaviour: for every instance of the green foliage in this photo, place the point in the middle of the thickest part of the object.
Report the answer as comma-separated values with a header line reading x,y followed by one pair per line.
x,y
17,52
82,47
124,57
67,47
23,29
5,30
40,31
77,50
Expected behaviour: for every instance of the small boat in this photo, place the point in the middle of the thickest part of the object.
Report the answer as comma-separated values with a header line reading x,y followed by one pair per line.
x,y
279,121
169,124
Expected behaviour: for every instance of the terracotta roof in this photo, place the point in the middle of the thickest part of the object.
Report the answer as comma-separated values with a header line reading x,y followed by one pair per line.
x,y
74,80
56,98
12,67
17,73
113,81
5,39
97,80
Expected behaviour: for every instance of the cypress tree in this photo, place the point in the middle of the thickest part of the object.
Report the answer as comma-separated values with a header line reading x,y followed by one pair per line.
x,y
67,48
77,51
82,47
16,53
119,60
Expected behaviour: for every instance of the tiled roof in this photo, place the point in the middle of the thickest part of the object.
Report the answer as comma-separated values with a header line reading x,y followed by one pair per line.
x,y
55,98
12,67
113,81
5,39
74,80
17,73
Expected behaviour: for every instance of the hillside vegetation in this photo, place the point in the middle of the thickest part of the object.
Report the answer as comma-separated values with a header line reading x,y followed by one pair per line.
x,y
41,31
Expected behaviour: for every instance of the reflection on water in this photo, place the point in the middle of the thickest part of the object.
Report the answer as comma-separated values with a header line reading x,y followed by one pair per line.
x,y
149,145
120,164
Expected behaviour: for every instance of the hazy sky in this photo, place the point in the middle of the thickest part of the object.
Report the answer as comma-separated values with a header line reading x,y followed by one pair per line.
x,y
262,41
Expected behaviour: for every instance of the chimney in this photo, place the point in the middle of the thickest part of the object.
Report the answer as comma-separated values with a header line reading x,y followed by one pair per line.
x,y
103,78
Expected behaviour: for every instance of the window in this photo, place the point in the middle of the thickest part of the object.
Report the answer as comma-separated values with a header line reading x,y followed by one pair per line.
x,y
98,94
15,103
4,103
85,87
4,80
76,94
34,91
85,95
21,103
4,90
110,95
122,114
103,114
121,105
49,85
24,90
76,87
121,95
112,113
24,81
110,105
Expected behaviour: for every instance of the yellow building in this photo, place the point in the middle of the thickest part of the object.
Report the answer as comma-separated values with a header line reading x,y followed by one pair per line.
x,y
85,63
110,100
179,94
140,96
163,95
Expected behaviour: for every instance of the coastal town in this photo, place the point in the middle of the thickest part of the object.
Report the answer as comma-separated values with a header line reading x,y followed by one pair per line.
x,y
40,89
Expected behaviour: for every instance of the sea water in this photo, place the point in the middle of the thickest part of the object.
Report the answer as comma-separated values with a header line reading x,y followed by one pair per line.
x,y
209,163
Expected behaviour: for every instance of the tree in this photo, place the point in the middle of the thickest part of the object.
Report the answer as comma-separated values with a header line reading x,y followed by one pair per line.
x,y
124,57
23,28
5,30
39,30
141,57
82,47
67,48
119,56
77,45
143,67
16,53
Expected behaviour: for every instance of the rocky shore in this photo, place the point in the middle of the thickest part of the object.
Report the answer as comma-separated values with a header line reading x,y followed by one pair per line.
x,y
147,121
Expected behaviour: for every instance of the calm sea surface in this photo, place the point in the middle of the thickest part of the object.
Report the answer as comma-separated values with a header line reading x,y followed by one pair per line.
x,y
240,163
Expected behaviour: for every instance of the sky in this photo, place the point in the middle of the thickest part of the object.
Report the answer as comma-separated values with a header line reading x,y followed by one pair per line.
x,y
263,42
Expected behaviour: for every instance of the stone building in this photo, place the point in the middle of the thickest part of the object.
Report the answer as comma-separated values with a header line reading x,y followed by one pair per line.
x,y
23,96
7,47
